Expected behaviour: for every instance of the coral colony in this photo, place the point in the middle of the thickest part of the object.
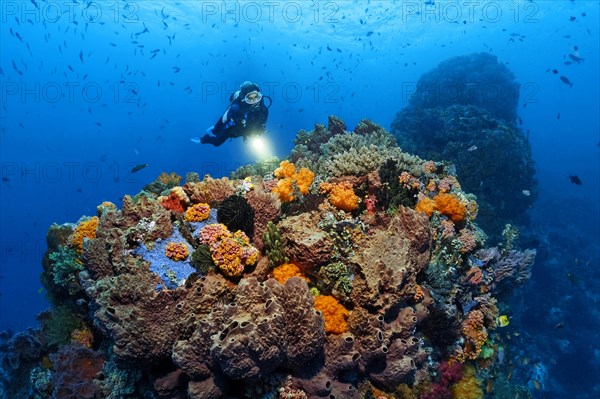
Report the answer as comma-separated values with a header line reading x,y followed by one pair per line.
x,y
353,270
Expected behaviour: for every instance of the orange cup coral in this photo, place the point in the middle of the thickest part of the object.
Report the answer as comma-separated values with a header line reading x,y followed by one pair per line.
x,y
85,229
451,206
286,271
176,251
287,175
334,313
341,195
285,169
285,189
447,204
427,206
231,253
197,213
304,179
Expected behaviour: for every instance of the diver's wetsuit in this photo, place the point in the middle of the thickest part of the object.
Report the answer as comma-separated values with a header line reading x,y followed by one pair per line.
x,y
240,119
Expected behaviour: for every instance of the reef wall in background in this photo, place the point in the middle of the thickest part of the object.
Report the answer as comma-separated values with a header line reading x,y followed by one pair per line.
x,y
464,112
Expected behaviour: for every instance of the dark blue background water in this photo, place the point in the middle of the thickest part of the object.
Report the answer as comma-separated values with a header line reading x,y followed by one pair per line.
x,y
91,89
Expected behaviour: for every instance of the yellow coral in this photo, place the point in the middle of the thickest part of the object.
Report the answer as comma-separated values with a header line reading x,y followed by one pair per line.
x,y
286,169
176,251
85,229
341,195
197,212
334,313
304,179
469,387
285,189
286,271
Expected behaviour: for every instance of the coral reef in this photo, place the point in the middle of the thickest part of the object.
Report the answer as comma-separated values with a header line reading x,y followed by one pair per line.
x,y
383,288
463,112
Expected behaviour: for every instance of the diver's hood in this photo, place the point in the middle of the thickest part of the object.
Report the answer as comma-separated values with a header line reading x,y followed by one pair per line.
x,y
247,87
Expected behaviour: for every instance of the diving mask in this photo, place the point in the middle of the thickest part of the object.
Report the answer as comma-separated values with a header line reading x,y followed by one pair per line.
x,y
253,97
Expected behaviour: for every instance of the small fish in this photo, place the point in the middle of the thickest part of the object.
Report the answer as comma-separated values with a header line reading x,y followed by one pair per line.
x,y
472,148
566,81
576,58
139,167
526,193
555,71
558,116
502,321
489,387
536,383
573,278
559,325
575,180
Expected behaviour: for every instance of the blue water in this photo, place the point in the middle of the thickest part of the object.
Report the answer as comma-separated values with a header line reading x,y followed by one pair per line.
x,y
91,89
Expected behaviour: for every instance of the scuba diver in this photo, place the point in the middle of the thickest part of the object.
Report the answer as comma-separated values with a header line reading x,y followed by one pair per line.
x,y
246,116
